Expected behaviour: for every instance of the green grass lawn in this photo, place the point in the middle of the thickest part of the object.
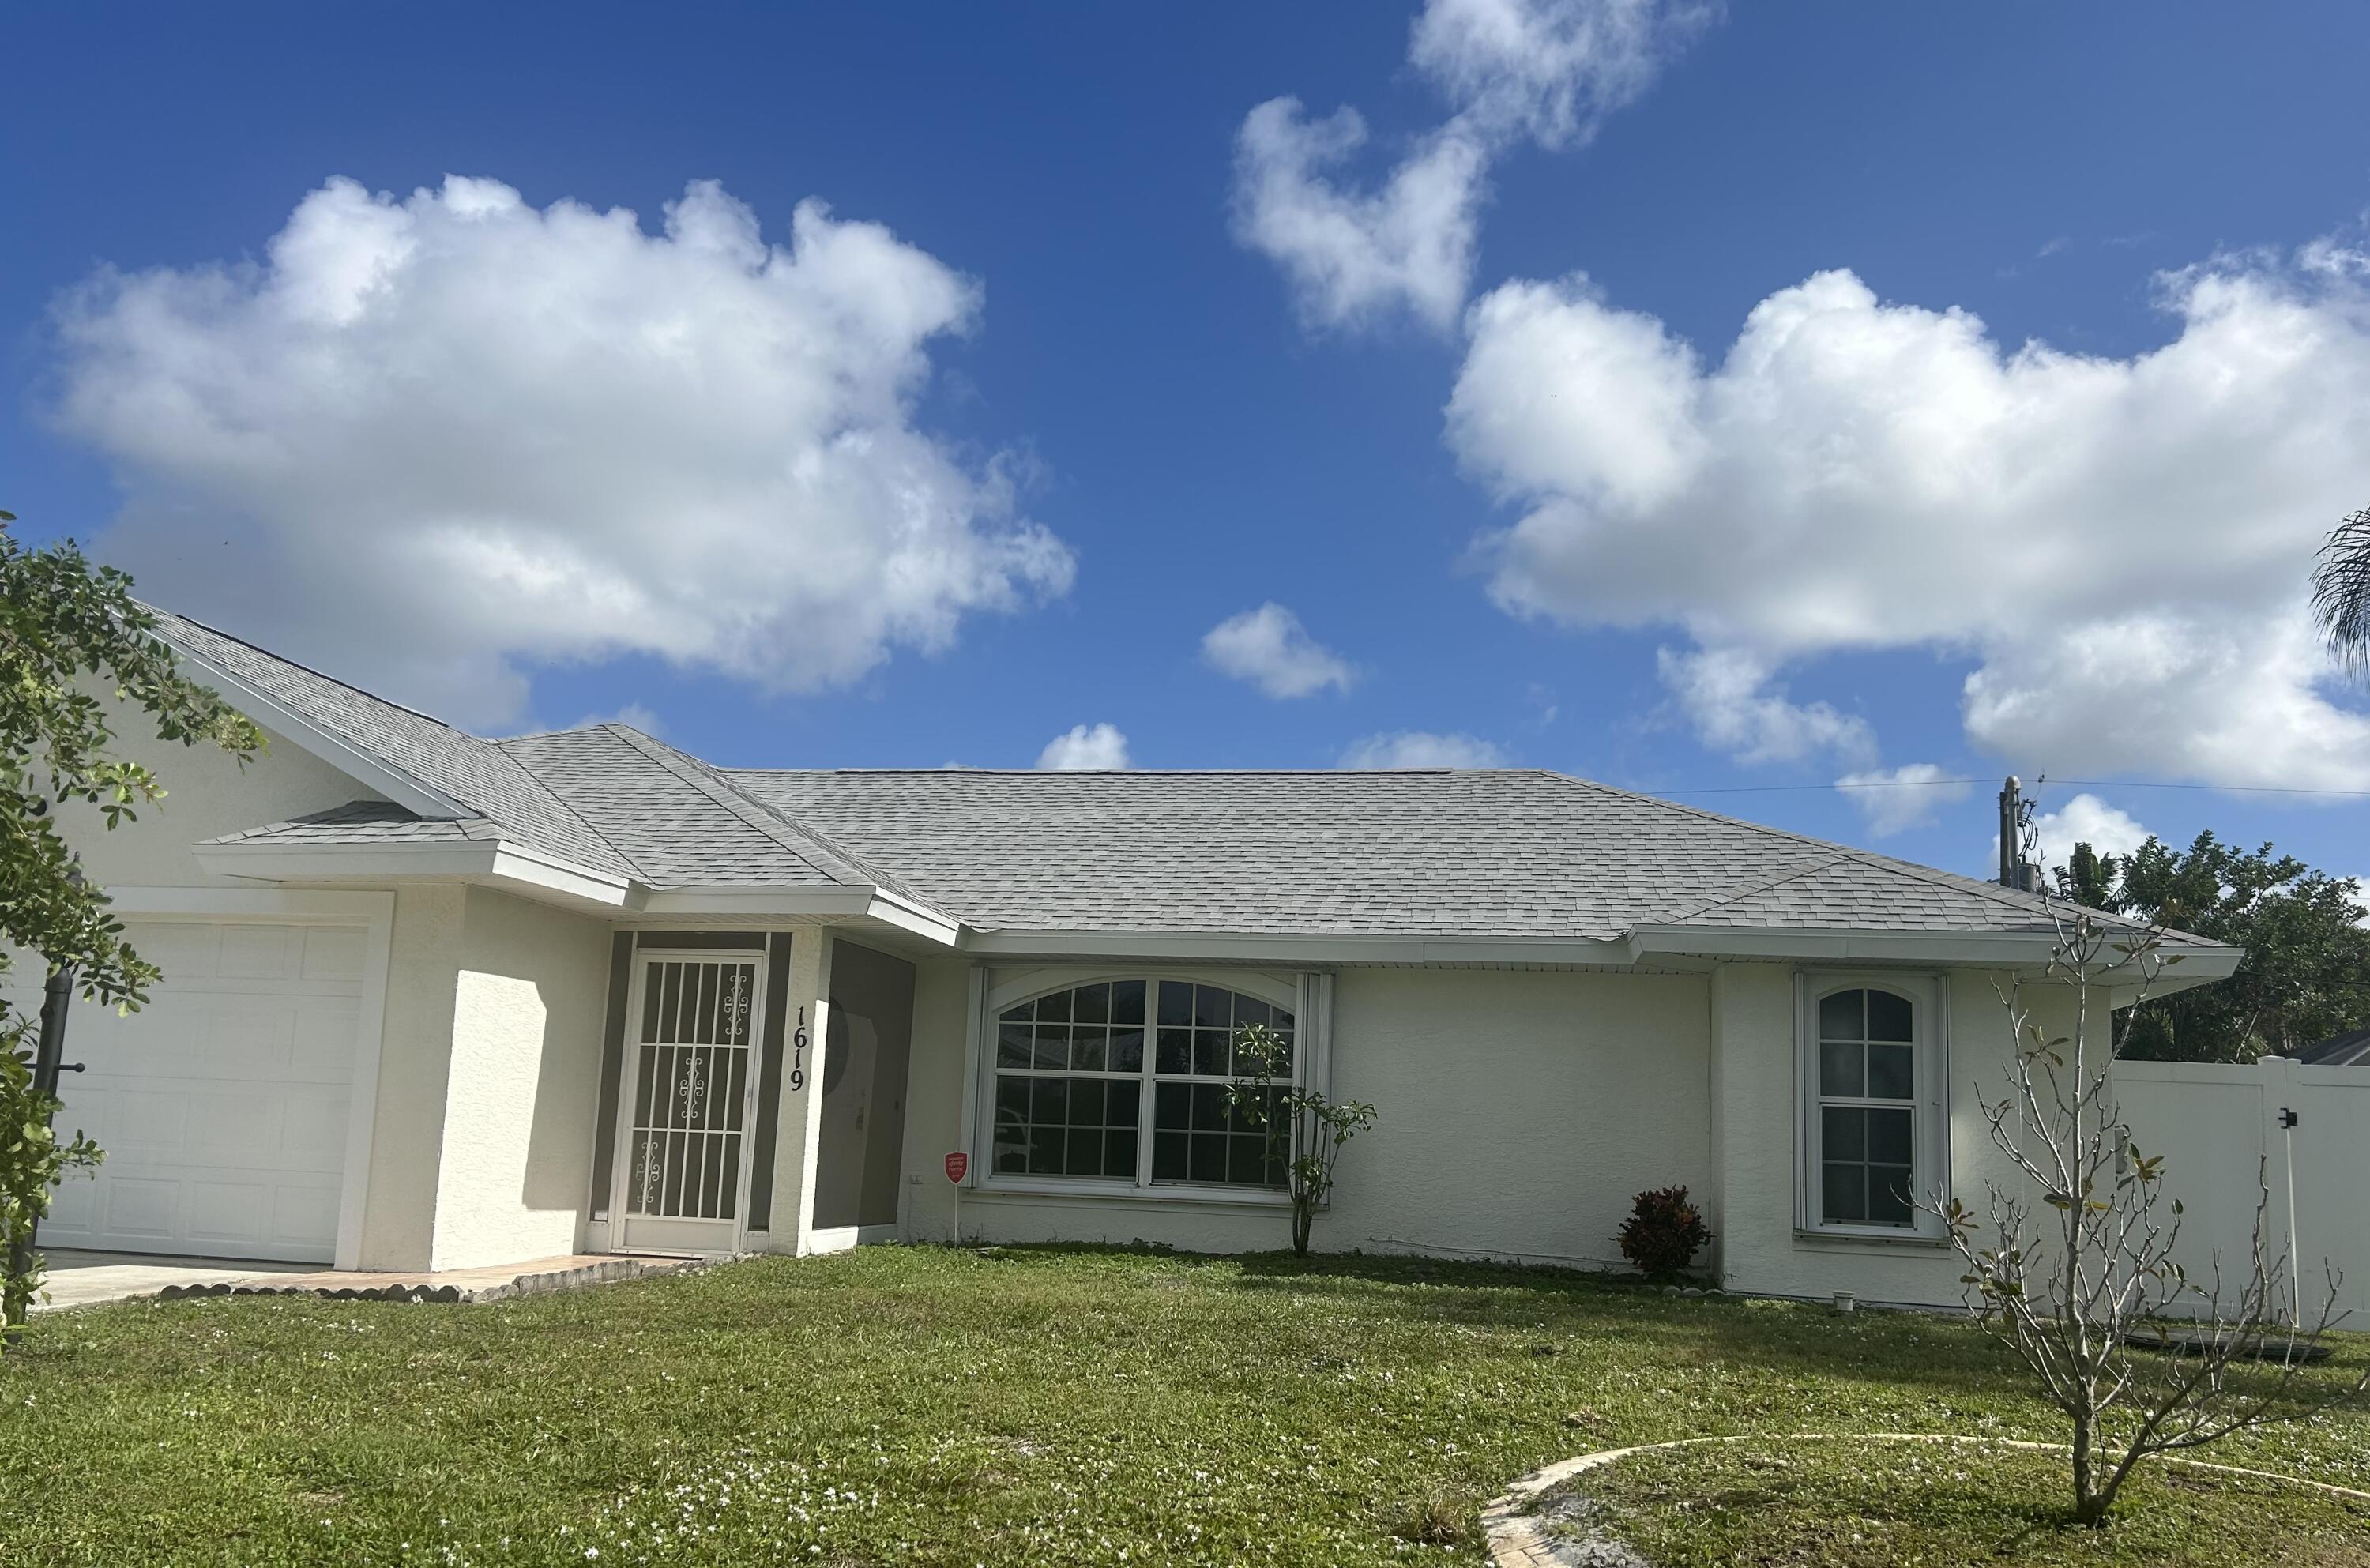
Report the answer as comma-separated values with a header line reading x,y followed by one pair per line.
x,y
943,1407
1881,1505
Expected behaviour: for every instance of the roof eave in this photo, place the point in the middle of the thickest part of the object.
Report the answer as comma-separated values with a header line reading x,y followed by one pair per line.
x,y
356,762
2197,963
500,863
842,902
1311,947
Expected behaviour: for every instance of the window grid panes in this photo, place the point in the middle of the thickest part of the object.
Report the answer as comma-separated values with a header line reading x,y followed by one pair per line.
x,y
1084,1076
1867,1109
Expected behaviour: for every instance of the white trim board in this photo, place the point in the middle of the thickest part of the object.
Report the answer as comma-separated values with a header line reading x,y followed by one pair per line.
x,y
413,794
498,863
2201,962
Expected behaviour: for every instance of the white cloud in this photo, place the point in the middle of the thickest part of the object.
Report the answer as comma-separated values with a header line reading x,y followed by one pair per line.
x,y
1084,750
1726,694
2085,819
1351,256
1543,70
1550,69
430,442
1416,748
1270,648
2120,544
1901,798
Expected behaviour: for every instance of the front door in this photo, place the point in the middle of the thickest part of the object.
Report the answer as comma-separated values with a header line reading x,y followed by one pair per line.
x,y
689,1100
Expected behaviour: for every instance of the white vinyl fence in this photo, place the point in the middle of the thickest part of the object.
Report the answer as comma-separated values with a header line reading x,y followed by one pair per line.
x,y
2218,1128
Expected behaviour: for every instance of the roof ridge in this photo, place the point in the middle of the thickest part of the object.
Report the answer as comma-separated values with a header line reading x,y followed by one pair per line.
x,y
1738,895
829,845
772,824
527,766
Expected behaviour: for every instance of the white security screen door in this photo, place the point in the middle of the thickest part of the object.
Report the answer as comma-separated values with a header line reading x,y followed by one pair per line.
x,y
687,1103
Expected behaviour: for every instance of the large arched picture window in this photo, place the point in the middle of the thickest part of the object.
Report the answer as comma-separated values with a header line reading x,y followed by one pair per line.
x,y
1124,1079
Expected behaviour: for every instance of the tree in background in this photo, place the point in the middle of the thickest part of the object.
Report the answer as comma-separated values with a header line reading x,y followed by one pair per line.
x,y
2305,974
67,630
2340,592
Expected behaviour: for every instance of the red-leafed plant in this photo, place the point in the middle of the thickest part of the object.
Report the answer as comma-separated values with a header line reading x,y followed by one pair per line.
x,y
1663,1233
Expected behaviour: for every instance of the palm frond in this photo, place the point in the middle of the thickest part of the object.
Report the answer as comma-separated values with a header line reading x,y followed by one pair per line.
x,y
2340,594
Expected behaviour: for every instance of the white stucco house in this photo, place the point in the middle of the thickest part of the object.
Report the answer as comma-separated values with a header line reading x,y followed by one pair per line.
x,y
438,1001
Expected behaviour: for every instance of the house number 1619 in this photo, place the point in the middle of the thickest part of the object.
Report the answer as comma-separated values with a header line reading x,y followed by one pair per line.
x,y
798,1053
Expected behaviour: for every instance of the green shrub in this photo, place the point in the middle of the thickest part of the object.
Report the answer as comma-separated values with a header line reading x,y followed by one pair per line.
x,y
1663,1233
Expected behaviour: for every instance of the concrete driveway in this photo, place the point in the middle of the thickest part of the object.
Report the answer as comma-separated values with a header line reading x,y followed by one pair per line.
x,y
85,1279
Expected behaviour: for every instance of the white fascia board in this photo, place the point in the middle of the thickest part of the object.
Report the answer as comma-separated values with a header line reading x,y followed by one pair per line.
x,y
2198,965
1262,947
842,902
520,869
758,902
367,767
492,862
919,918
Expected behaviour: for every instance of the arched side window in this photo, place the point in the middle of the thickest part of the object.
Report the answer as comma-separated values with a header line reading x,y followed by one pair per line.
x,y
1872,1136
1123,1079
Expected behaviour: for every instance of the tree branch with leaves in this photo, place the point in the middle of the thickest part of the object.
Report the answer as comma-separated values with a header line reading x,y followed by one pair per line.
x,y
70,631
2340,594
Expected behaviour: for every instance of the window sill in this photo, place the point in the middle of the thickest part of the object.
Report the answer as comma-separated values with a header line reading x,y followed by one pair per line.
x,y
1118,1192
1874,1241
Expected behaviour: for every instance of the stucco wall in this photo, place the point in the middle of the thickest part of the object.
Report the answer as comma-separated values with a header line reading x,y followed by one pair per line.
x,y
1519,1112
934,1100
1754,1069
415,1053
206,796
488,1075
524,1081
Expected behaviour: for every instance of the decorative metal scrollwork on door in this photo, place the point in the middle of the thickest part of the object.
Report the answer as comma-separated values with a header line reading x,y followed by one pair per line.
x,y
691,1082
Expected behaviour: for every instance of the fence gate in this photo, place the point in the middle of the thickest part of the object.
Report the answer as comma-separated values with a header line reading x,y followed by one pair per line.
x,y
689,1102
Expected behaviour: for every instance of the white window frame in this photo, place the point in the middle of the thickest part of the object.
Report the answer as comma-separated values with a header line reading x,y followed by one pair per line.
x,y
1309,996
1929,996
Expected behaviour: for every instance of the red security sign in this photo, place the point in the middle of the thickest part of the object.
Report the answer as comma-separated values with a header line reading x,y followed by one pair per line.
x,y
956,1163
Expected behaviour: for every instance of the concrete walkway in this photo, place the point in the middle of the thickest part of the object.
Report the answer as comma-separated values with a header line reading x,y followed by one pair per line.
x,y
86,1279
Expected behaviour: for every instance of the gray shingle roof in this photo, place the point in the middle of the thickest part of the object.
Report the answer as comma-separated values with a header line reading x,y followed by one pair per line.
x,y
367,821
668,814
1420,853
476,772
1861,891
1496,853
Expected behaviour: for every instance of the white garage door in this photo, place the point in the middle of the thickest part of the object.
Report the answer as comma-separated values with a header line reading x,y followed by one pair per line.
x,y
222,1104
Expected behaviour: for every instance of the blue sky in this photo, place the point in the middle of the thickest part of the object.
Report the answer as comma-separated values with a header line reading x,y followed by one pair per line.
x,y
1119,364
